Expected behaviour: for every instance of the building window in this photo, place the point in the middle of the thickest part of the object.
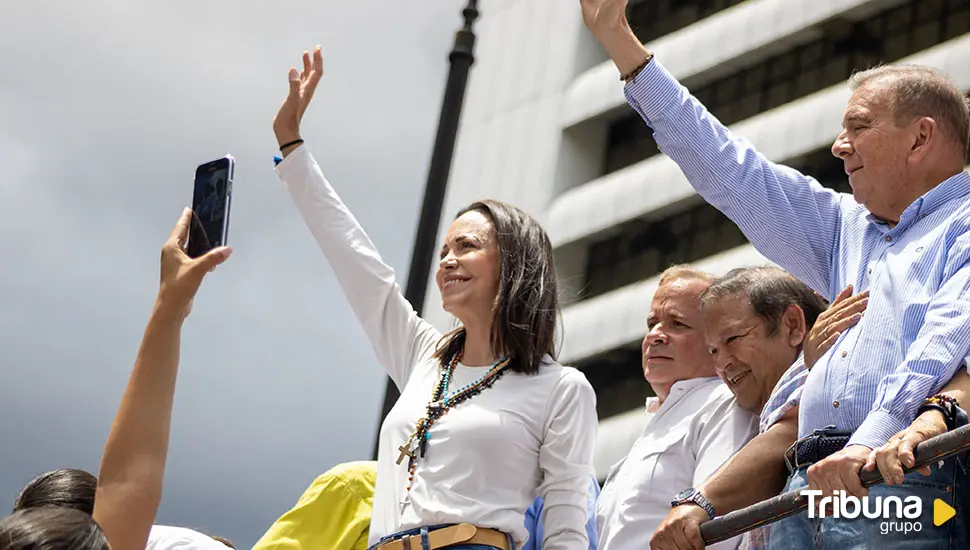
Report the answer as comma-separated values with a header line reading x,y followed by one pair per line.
x,y
844,47
628,141
821,165
652,19
643,248
617,379
617,375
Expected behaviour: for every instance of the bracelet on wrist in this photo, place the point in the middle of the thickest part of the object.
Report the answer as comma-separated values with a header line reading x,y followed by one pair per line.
x,y
291,143
947,406
633,74
943,398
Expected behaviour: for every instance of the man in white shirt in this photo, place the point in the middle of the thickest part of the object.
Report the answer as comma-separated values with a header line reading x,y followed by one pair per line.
x,y
693,424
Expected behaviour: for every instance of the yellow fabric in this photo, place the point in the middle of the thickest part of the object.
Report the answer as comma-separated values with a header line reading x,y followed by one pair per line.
x,y
332,514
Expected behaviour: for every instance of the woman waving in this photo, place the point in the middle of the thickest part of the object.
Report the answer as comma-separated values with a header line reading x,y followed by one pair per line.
x,y
487,419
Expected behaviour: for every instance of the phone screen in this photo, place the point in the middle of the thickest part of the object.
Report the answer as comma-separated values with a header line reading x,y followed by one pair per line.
x,y
210,207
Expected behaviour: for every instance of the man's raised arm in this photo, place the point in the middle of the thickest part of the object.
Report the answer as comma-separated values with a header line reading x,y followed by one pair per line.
x,y
789,217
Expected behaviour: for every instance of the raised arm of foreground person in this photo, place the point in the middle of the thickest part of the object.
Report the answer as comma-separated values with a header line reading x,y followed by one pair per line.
x,y
393,327
133,464
789,217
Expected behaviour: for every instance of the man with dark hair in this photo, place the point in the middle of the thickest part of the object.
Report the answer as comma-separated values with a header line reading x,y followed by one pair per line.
x,y
756,320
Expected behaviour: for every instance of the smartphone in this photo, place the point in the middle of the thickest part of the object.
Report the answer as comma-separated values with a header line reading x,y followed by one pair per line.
x,y
211,199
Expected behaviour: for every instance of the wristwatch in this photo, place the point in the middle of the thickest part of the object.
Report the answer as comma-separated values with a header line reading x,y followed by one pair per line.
x,y
693,496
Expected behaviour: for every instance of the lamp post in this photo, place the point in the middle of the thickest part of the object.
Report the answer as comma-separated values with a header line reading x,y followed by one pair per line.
x,y
461,59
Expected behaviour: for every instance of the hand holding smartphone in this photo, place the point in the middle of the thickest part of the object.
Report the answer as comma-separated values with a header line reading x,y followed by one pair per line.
x,y
211,202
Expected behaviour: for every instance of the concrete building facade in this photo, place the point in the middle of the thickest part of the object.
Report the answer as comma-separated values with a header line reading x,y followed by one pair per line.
x,y
547,128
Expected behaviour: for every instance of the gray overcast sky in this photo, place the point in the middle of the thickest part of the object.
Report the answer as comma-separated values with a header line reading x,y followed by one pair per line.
x,y
106,107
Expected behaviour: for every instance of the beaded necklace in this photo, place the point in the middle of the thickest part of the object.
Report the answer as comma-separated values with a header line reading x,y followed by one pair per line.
x,y
442,402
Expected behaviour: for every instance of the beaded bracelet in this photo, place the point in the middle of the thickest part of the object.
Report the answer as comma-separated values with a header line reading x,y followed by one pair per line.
x,y
633,74
940,397
947,406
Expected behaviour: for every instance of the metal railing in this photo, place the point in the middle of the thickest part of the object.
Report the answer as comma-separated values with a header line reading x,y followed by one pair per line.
x,y
788,504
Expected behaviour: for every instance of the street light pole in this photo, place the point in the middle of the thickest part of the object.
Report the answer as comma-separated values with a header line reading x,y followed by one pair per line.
x,y
461,59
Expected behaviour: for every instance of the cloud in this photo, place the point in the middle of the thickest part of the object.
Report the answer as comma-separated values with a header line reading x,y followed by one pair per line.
x,y
107,107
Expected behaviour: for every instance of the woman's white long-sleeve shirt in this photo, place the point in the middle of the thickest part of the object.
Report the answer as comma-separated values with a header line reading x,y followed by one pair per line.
x,y
489,457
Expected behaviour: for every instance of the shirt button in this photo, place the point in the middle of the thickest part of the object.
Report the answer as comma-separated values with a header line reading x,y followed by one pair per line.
x,y
869,271
835,404
889,239
844,355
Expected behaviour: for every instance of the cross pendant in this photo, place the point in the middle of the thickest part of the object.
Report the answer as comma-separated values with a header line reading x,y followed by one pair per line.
x,y
405,451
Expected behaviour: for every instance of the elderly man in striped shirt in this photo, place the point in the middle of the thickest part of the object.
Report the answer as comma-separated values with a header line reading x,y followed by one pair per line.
x,y
903,234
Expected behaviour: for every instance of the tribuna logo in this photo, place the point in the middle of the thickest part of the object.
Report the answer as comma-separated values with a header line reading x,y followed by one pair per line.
x,y
850,507
881,508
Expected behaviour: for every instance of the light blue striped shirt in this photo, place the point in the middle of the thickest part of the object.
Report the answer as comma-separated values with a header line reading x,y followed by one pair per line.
x,y
786,395
916,329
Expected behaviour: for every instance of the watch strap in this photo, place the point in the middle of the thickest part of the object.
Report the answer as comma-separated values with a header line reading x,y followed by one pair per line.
x,y
695,497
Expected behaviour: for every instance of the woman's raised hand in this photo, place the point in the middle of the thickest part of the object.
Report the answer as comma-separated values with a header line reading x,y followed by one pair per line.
x,y
286,125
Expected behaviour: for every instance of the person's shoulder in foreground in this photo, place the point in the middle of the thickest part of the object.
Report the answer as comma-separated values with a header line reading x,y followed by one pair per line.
x,y
165,537
333,513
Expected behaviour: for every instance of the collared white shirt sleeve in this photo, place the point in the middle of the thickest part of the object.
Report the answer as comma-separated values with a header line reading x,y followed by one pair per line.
x,y
719,436
697,429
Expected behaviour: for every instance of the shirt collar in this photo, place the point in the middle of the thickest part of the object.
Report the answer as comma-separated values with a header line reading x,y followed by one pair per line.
x,y
954,187
681,388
